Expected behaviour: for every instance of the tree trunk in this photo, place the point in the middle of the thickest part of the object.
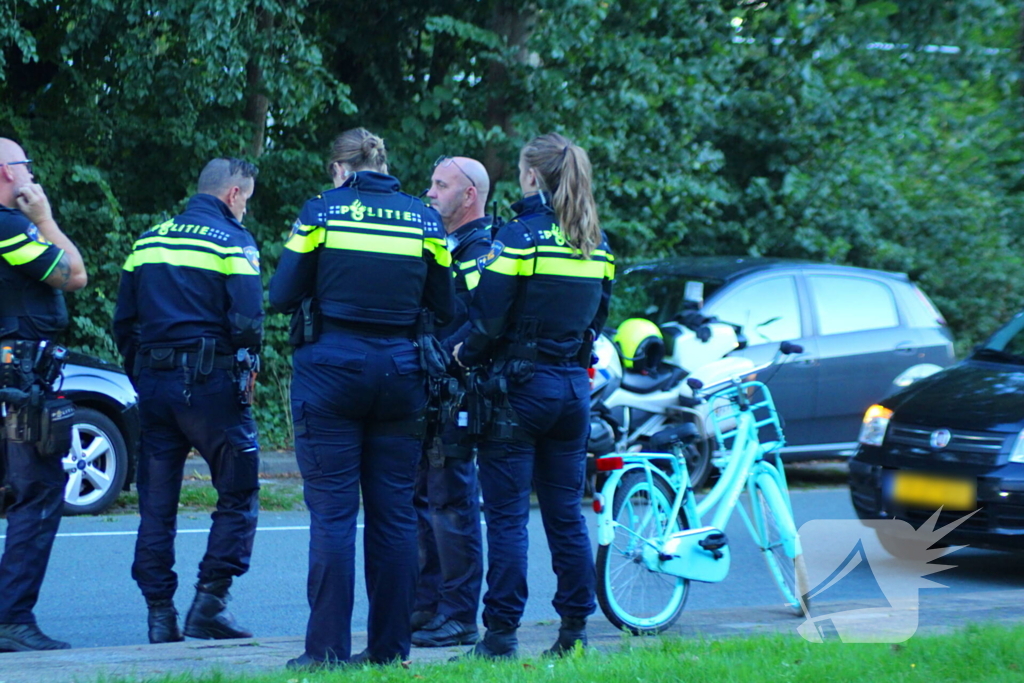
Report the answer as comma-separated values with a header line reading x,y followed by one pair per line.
x,y
257,103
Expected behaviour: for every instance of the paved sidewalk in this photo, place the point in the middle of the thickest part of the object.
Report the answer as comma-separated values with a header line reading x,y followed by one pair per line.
x,y
938,613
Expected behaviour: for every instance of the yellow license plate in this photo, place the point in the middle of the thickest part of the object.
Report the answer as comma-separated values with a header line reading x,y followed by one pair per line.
x,y
932,491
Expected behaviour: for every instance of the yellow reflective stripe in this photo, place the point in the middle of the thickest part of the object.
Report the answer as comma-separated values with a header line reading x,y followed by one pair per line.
x,y
511,266
305,242
26,254
375,226
14,240
609,271
571,267
230,265
528,251
380,244
472,280
52,265
439,248
188,242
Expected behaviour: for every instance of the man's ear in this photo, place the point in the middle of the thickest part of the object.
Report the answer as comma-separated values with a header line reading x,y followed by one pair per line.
x,y
471,195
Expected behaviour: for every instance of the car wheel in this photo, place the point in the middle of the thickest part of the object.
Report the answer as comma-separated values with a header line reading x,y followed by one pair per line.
x,y
97,464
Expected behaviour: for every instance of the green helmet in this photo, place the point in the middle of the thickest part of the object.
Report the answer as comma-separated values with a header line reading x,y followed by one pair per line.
x,y
640,344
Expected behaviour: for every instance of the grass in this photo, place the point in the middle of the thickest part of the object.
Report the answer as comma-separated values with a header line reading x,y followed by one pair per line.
x,y
198,495
976,653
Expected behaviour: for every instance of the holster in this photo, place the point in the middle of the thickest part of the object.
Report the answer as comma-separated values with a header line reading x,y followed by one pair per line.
x,y
306,323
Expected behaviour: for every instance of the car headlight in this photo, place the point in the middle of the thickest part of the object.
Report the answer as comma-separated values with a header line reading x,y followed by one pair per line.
x,y
876,422
1017,452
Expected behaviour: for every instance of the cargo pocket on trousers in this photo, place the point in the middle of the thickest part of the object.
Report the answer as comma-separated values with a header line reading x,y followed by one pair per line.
x,y
240,472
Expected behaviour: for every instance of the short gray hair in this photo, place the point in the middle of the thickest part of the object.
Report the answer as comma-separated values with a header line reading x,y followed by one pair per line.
x,y
223,173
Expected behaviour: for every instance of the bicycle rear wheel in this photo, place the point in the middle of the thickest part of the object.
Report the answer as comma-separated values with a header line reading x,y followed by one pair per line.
x,y
774,521
633,597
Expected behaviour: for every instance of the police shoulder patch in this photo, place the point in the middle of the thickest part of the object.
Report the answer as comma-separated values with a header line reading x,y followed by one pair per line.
x,y
33,234
252,255
491,256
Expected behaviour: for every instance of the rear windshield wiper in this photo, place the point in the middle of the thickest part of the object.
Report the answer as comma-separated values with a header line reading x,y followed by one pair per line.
x,y
996,354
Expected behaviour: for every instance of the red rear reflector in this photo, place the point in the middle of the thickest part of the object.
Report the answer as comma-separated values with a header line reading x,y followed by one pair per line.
x,y
591,372
609,463
598,503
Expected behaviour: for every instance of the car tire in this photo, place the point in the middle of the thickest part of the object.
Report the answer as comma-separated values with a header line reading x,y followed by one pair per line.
x,y
97,464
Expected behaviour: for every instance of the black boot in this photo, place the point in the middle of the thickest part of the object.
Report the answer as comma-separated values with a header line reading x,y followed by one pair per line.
x,y
499,642
572,630
163,622
208,617
26,638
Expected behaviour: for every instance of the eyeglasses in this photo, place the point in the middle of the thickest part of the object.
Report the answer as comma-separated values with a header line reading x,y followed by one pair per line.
x,y
26,162
444,161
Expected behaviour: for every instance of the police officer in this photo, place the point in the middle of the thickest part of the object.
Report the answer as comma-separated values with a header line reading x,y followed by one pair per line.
x,y
369,258
38,263
447,498
543,293
190,303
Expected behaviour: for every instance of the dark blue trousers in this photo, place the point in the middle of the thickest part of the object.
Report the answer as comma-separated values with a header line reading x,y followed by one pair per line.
x,y
450,545
353,401
554,407
224,433
32,522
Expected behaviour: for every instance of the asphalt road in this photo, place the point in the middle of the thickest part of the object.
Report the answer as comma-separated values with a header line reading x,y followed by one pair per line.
x,y
89,598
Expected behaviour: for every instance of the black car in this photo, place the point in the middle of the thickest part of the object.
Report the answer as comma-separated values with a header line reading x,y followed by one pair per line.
x,y
953,440
864,333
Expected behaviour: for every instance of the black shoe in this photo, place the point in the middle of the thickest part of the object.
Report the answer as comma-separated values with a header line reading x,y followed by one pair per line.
x,y
499,642
573,630
208,617
421,618
163,622
306,663
443,631
26,638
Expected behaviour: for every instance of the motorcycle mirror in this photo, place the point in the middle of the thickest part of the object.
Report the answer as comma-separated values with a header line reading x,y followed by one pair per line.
x,y
694,384
789,347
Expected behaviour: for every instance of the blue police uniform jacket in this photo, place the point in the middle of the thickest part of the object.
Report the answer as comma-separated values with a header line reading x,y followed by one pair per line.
x,y
467,244
531,271
29,308
195,276
369,254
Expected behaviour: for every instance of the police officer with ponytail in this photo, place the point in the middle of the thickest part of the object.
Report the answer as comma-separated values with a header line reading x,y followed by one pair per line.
x,y
542,297
363,260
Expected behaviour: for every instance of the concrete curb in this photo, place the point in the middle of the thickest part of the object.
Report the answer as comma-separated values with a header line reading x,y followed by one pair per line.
x,y
941,613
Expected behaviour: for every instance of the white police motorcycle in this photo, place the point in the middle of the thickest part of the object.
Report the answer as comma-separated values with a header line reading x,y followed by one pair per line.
x,y
639,384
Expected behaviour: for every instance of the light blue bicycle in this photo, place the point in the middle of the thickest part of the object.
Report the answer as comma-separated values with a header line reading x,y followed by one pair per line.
x,y
652,541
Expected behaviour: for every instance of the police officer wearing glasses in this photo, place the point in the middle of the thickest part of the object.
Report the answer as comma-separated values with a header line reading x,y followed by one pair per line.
x,y
363,261
189,317
542,297
38,263
447,493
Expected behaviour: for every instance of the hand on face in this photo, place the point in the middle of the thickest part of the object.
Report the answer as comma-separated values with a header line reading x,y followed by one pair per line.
x,y
32,202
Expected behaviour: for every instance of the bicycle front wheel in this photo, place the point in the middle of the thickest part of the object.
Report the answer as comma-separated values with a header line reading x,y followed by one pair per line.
x,y
774,522
633,597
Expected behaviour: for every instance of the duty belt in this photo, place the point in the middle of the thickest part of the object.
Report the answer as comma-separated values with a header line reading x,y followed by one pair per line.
x,y
367,329
170,358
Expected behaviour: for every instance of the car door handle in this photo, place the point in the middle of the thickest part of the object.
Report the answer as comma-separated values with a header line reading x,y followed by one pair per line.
x,y
906,349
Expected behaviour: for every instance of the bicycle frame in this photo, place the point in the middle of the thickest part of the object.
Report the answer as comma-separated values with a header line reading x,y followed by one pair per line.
x,y
737,423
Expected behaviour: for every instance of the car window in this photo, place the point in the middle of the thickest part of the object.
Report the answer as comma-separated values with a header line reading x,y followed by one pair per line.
x,y
768,310
645,293
851,304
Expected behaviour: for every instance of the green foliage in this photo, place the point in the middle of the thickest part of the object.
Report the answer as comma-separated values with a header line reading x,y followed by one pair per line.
x,y
874,133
